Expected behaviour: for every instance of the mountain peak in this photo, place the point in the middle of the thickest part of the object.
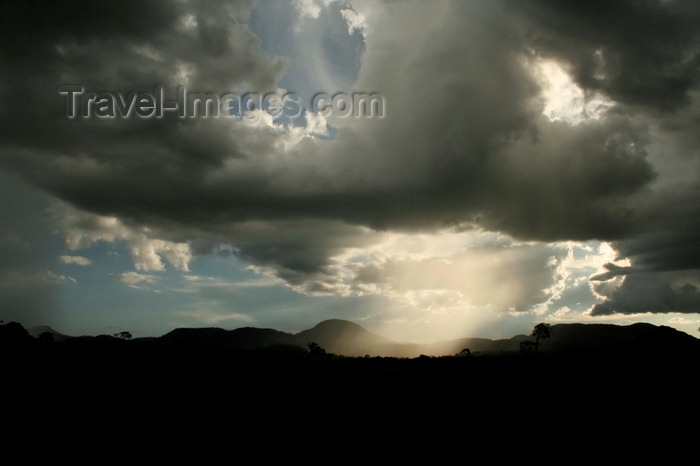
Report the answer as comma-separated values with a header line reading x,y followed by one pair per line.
x,y
341,336
337,324
38,330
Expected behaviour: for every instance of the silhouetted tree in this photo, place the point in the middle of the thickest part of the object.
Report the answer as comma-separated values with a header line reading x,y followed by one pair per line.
x,y
14,333
46,337
316,350
540,332
123,335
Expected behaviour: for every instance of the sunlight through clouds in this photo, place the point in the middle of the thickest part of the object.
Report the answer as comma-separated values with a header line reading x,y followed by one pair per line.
x,y
562,98
456,272
531,161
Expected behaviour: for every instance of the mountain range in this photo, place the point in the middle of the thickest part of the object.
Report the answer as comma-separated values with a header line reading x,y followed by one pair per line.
x,y
252,376
346,338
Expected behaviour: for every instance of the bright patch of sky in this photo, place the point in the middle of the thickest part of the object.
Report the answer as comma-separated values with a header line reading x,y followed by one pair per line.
x,y
563,99
321,41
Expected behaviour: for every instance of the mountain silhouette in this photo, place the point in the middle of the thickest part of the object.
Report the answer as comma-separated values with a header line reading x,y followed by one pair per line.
x,y
607,336
242,338
345,338
334,335
40,330
256,377
580,337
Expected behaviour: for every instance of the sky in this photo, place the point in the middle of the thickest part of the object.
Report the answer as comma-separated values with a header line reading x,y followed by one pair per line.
x,y
526,161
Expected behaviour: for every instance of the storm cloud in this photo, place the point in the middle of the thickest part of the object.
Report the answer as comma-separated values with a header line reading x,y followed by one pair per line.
x,y
463,146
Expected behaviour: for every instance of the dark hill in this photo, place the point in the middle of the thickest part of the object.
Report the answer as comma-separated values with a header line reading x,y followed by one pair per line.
x,y
200,337
251,337
608,336
346,338
335,336
350,339
243,338
343,337
183,379
40,330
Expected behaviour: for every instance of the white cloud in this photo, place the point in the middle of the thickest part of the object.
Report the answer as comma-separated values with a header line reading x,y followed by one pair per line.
x,y
58,278
311,8
137,280
75,260
356,21
82,229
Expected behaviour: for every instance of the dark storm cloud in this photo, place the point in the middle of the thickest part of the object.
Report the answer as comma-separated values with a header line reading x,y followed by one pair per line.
x,y
464,141
122,48
639,52
298,251
451,152
645,55
664,275
661,292
571,182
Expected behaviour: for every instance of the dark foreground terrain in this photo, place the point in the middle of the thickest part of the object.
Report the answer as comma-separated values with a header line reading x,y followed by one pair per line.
x,y
179,387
